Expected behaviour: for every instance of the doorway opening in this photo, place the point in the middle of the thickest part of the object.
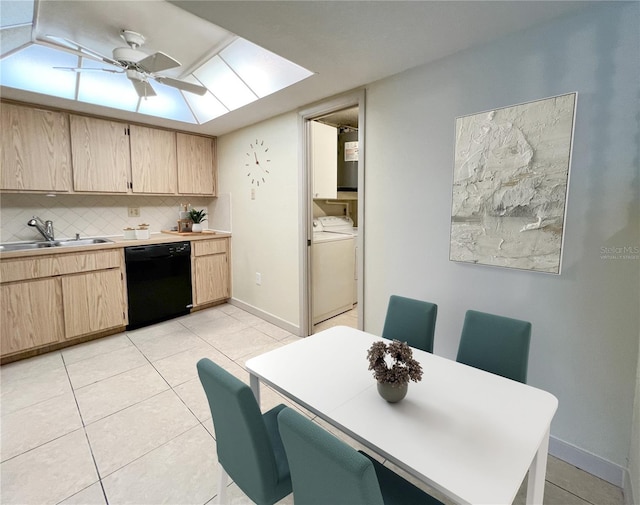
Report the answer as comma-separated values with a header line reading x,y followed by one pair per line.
x,y
333,179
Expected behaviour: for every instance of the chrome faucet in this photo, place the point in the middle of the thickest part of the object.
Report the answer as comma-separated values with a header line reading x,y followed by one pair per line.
x,y
45,228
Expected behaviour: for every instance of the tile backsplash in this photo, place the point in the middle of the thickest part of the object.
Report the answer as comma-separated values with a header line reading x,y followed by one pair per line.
x,y
91,215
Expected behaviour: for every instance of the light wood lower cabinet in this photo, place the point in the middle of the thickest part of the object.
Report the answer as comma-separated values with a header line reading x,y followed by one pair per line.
x,y
48,301
60,297
92,302
211,271
31,315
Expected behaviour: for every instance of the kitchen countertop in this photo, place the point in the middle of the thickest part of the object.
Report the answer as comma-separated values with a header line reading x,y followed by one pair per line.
x,y
119,242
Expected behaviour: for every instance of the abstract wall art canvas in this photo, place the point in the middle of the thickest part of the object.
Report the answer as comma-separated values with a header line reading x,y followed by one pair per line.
x,y
511,175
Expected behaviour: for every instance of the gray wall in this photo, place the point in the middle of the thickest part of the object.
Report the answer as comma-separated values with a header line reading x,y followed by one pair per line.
x,y
585,322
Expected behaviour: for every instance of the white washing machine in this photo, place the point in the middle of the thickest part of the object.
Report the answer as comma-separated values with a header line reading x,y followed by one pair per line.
x,y
333,266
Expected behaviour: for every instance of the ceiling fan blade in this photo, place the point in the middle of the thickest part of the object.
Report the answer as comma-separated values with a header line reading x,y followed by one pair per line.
x,y
183,85
82,69
158,62
143,88
81,50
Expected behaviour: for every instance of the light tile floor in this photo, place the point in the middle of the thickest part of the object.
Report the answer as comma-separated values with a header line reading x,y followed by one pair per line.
x,y
124,419
349,318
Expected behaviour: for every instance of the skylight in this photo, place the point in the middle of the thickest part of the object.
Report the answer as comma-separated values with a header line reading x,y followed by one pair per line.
x,y
239,73
32,69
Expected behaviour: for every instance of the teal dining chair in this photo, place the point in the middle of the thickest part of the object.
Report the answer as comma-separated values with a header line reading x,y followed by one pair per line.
x,y
249,446
496,344
411,321
325,470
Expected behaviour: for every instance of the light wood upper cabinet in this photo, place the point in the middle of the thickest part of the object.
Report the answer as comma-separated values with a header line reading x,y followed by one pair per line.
x,y
31,315
51,151
35,146
92,301
153,160
100,150
196,165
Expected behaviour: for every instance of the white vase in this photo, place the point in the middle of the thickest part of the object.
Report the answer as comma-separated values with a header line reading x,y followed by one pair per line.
x,y
197,228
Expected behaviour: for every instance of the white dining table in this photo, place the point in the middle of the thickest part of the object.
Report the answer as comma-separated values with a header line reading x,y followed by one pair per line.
x,y
470,434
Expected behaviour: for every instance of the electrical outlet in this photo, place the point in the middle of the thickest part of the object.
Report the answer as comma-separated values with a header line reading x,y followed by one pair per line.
x,y
258,279
134,211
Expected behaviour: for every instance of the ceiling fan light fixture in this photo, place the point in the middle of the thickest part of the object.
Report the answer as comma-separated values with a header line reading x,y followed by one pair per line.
x,y
134,75
128,55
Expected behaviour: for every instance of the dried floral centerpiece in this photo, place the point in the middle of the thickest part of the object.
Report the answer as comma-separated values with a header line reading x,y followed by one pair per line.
x,y
393,367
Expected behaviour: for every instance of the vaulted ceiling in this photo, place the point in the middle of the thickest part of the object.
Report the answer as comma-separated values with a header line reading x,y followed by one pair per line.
x,y
346,44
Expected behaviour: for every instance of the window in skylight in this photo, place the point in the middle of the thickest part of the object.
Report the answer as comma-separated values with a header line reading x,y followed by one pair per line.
x,y
32,69
106,88
205,107
16,12
242,73
263,71
226,86
168,104
14,38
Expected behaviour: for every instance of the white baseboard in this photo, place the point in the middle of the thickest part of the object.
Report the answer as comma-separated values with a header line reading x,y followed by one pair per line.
x,y
595,465
285,325
628,491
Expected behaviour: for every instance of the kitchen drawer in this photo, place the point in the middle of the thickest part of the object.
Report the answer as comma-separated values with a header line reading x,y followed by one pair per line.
x,y
59,264
206,247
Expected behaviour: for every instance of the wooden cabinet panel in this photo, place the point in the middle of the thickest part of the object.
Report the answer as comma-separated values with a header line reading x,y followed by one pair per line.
x,y
324,160
59,264
31,315
100,150
211,278
93,302
196,165
204,247
153,160
211,272
36,153
55,151
50,299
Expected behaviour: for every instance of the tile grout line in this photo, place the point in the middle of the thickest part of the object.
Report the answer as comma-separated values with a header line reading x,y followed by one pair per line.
x,y
86,435
137,403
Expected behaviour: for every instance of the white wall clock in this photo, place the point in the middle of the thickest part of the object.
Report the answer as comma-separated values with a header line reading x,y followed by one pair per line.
x,y
257,162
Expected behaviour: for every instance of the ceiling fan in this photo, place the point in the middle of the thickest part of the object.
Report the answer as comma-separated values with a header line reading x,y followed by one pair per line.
x,y
138,66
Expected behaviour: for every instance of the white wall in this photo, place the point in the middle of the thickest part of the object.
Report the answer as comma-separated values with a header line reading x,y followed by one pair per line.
x,y
585,322
584,345
265,230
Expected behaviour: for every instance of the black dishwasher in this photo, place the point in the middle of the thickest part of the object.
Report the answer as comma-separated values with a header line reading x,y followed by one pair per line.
x,y
158,282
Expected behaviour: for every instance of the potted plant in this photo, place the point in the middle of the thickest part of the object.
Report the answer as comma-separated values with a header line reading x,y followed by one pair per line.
x,y
393,367
197,216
